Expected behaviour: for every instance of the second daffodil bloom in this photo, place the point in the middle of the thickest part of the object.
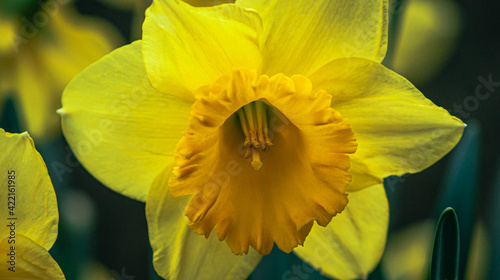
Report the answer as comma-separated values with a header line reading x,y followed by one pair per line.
x,y
38,60
248,123
29,212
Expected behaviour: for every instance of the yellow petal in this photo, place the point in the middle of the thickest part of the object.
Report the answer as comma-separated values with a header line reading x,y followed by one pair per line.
x,y
427,37
408,252
179,252
8,29
195,46
28,199
74,43
207,3
46,63
119,127
301,36
36,101
398,130
351,245
31,261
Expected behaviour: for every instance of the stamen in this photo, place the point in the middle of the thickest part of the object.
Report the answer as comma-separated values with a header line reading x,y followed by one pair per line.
x,y
259,107
254,123
265,130
249,114
248,154
251,123
243,122
244,126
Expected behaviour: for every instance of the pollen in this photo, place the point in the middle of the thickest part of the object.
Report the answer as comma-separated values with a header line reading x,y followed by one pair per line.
x,y
253,120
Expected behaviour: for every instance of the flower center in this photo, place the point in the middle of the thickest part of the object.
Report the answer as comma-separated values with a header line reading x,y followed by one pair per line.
x,y
253,120
305,172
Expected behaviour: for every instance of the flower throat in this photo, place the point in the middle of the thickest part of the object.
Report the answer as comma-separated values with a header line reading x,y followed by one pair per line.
x,y
253,119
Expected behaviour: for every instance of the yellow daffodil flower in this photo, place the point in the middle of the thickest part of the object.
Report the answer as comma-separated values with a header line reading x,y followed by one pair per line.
x,y
235,116
39,55
29,215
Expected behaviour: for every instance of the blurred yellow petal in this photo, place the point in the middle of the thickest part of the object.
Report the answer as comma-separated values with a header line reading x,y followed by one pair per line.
x,y
74,43
398,130
195,46
480,255
301,36
408,252
28,197
426,38
351,245
42,64
35,99
31,261
179,252
112,117
8,31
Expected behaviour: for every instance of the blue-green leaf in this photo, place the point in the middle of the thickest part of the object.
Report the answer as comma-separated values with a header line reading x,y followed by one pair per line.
x,y
446,249
493,223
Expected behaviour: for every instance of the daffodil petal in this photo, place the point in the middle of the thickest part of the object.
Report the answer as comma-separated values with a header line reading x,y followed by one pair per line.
x,y
398,130
26,192
42,67
31,261
120,128
195,46
207,3
301,36
76,39
36,104
408,251
351,245
179,252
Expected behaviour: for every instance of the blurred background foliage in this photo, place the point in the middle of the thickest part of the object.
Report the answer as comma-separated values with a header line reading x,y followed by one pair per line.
x,y
448,48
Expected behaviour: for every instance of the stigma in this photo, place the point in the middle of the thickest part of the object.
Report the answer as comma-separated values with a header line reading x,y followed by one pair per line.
x,y
254,123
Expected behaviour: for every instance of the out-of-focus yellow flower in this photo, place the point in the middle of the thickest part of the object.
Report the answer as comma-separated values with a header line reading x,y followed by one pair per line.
x,y
247,104
408,253
40,55
426,38
29,213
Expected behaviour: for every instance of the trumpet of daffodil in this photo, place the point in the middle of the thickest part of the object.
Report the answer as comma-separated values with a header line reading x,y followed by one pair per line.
x,y
40,54
29,215
255,124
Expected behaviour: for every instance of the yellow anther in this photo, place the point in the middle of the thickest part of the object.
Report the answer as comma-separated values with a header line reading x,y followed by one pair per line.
x,y
248,154
254,140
